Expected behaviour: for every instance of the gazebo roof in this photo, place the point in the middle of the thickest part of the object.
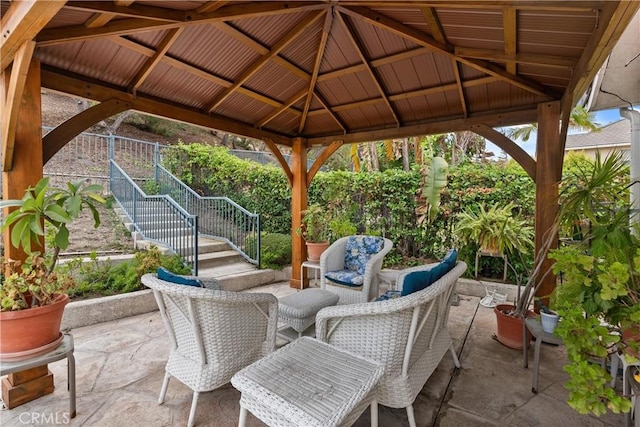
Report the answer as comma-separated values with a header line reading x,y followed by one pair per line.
x,y
324,71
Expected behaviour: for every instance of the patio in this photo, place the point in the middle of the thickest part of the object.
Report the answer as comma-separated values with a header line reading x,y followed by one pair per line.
x,y
120,366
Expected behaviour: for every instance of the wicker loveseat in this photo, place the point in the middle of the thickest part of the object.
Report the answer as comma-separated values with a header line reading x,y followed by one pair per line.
x,y
407,335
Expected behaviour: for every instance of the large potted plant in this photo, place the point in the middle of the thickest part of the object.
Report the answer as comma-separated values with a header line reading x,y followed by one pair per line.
x,y
599,297
315,230
32,294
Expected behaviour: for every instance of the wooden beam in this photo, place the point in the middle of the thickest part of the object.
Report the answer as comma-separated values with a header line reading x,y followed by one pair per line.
x,y
326,28
211,6
75,85
437,32
331,112
425,40
520,58
284,107
13,101
460,87
298,204
129,44
548,155
280,158
359,47
496,119
26,170
99,20
151,63
53,141
613,20
514,150
21,22
260,62
122,27
321,159
130,11
555,6
510,33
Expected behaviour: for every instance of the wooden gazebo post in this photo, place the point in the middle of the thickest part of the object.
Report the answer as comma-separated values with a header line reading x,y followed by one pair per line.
x,y
549,155
298,204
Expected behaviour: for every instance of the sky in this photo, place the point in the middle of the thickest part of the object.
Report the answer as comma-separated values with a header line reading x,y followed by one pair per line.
x,y
603,117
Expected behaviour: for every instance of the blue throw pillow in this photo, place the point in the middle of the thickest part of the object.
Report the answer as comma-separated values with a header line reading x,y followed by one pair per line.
x,y
438,271
167,276
450,258
416,281
389,295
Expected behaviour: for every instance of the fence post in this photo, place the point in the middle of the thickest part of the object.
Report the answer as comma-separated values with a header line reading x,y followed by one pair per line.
x,y
156,161
112,146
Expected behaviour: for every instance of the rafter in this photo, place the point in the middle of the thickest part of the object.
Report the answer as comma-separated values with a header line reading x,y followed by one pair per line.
x,y
21,22
425,40
568,6
101,19
211,6
510,34
151,63
205,75
438,34
122,27
131,10
75,85
331,112
520,58
376,80
260,62
288,103
13,100
328,20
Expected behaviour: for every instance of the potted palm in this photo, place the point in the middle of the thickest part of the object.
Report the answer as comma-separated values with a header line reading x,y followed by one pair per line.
x,y
32,294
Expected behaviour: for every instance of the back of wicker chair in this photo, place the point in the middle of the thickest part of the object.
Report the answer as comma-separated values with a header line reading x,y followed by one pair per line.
x,y
332,259
407,335
213,333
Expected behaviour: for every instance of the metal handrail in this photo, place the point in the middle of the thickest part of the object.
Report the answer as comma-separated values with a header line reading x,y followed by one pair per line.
x,y
219,217
157,217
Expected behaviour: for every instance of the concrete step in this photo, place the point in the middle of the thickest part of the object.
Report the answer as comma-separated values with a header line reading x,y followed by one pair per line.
x,y
217,259
241,276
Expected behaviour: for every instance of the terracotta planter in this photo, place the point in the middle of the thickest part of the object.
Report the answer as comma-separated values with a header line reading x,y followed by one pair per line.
x,y
632,334
314,250
509,329
31,328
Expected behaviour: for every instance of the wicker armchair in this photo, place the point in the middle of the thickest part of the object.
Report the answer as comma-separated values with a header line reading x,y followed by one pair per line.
x,y
213,333
408,336
333,260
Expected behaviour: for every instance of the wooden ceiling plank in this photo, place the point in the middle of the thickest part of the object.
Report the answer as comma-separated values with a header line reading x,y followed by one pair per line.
x,y
326,28
22,22
132,11
210,6
260,62
527,114
13,100
151,63
425,40
520,58
257,47
353,37
122,27
509,24
62,81
205,75
288,103
555,6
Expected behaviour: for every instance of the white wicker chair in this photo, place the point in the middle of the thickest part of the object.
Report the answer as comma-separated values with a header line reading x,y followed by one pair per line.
x,y
332,259
408,336
213,333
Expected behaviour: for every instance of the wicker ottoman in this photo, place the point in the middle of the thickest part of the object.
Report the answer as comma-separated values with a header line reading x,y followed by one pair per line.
x,y
298,311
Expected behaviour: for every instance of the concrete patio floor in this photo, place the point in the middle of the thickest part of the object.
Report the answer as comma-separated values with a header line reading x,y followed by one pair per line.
x,y
120,366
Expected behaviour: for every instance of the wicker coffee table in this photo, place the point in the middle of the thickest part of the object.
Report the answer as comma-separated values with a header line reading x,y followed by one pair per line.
x,y
308,383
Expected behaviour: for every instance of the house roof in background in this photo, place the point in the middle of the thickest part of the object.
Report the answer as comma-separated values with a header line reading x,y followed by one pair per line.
x,y
613,134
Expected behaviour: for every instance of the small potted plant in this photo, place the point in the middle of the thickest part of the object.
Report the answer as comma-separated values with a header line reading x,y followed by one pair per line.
x,y
315,230
32,294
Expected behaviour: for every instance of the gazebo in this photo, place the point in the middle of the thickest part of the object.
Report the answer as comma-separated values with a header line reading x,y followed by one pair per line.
x,y
308,74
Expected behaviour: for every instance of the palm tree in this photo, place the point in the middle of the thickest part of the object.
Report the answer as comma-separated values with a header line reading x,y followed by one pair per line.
x,y
580,119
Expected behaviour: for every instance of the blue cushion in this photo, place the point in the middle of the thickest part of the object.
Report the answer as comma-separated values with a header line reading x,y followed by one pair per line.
x,y
450,258
358,251
389,295
167,276
439,270
345,277
416,281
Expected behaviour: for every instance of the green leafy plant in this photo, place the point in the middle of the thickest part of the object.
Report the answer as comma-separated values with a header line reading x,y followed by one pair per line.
x,y
315,224
495,229
434,180
33,283
275,250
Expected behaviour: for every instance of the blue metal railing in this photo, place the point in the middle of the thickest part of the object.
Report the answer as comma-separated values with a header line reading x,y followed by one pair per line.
x,y
158,217
219,217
